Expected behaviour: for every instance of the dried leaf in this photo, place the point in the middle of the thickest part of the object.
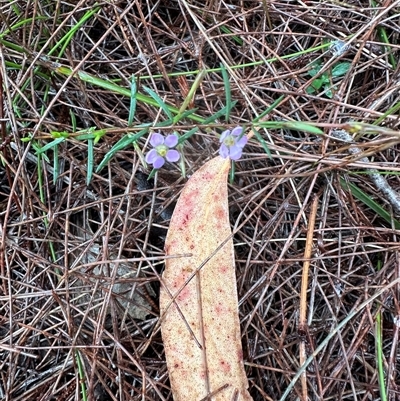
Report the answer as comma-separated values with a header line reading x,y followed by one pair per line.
x,y
198,300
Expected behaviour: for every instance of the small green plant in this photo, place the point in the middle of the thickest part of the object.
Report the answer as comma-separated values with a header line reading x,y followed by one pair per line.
x,y
324,81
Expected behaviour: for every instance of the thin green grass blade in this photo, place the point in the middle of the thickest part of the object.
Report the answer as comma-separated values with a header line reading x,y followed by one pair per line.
x,y
81,374
56,163
228,95
73,120
208,120
301,126
269,109
364,198
188,134
112,87
226,30
132,106
182,164
121,144
152,173
393,110
252,64
187,113
263,143
294,125
66,39
189,97
232,172
379,356
159,102
379,348
22,23
98,135
140,154
90,133
50,145
90,161
40,175
218,114
161,124
385,39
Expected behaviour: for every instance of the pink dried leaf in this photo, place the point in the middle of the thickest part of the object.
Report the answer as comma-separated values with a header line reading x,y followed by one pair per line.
x,y
198,301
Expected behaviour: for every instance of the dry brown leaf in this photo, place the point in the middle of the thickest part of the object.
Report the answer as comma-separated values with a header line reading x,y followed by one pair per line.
x,y
206,359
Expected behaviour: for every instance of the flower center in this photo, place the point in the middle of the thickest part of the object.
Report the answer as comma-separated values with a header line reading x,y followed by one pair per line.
x,y
229,141
162,150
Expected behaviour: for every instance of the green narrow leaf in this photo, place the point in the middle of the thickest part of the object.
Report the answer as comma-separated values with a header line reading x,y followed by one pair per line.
x,y
188,134
182,165
73,120
316,68
227,31
132,106
263,143
200,76
121,144
269,109
227,86
50,145
162,124
159,101
380,356
66,39
310,90
90,161
40,178
81,373
55,164
187,113
140,154
317,83
364,198
218,114
98,135
112,87
340,69
232,172
301,126
329,93
152,173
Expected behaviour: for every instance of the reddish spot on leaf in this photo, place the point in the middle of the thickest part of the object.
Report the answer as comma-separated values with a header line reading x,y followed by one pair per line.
x,y
225,367
223,269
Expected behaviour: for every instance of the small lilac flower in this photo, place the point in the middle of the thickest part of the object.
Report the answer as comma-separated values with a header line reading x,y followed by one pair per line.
x,y
231,143
162,150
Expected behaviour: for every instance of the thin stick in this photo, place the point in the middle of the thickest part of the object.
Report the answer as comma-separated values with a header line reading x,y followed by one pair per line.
x,y
303,293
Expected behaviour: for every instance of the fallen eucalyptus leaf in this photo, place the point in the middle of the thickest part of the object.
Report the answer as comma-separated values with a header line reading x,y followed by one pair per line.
x,y
198,300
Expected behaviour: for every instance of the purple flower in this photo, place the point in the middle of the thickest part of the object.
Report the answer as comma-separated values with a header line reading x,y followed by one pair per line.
x,y
231,143
162,149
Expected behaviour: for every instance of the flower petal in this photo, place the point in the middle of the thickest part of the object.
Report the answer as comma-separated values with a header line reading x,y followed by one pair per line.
x,y
171,141
224,135
159,162
172,155
235,152
156,139
151,156
224,151
242,141
237,131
